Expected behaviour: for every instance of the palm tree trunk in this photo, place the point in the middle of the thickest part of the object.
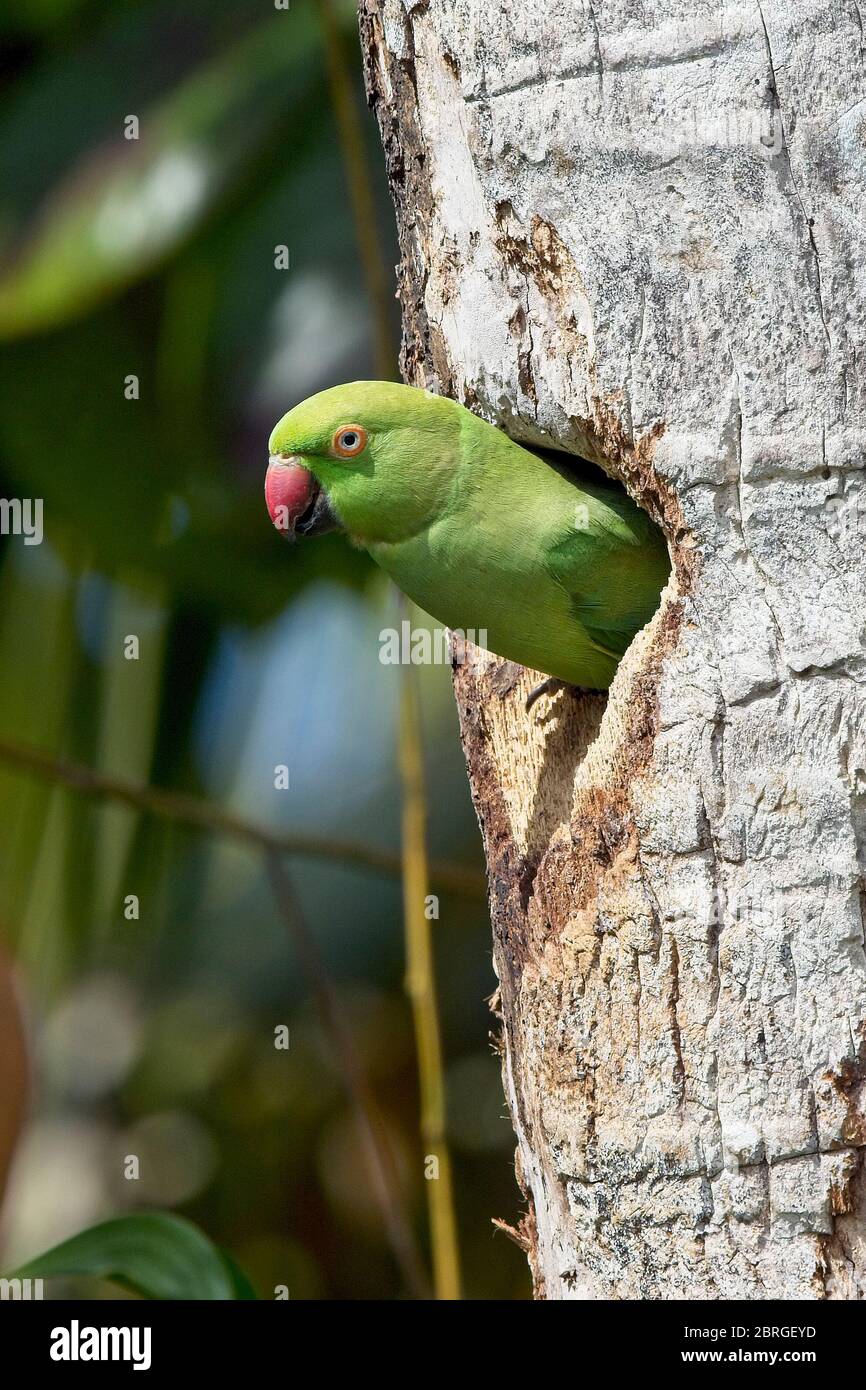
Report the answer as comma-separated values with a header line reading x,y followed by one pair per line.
x,y
637,234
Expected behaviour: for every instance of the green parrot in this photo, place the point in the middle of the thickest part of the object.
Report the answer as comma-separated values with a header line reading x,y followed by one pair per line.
x,y
541,551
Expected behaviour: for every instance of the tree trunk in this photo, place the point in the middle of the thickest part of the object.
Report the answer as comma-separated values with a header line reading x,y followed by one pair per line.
x,y
636,233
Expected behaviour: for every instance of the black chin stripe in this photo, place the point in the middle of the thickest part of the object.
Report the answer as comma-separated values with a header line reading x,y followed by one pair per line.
x,y
319,518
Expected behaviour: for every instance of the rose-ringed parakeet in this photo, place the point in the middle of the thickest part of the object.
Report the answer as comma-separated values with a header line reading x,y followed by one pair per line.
x,y
544,552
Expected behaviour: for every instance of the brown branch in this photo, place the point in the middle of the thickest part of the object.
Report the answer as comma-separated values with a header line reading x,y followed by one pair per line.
x,y
203,815
200,814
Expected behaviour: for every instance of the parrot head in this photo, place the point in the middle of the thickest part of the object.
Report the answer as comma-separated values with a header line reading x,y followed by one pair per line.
x,y
372,458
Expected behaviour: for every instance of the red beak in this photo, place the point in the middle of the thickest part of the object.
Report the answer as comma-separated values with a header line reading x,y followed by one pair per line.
x,y
289,490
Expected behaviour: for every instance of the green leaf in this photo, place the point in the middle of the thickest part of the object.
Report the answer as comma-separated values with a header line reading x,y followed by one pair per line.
x,y
155,1254
129,203
243,1289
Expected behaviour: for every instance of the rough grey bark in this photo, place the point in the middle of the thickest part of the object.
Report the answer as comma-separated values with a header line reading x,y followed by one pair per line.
x,y
637,233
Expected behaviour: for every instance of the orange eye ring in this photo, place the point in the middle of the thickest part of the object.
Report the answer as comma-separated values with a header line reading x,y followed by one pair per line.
x,y
349,441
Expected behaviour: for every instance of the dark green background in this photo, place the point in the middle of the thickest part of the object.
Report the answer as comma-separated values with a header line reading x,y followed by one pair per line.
x,y
156,258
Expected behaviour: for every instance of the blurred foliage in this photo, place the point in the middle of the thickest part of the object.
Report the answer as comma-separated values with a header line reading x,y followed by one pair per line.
x,y
153,1033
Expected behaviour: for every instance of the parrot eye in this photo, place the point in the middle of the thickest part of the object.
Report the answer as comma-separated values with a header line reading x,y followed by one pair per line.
x,y
349,441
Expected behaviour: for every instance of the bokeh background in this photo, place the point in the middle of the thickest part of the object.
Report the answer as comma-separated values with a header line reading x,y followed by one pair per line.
x,y
157,258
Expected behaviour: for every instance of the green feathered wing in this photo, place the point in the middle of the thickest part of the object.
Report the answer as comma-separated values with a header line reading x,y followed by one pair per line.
x,y
611,562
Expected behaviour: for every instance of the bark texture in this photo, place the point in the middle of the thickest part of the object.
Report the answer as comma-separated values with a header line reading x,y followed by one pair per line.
x,y
637,232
